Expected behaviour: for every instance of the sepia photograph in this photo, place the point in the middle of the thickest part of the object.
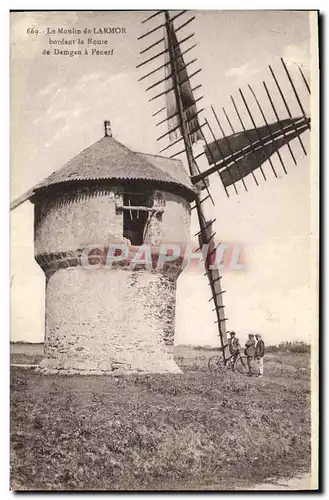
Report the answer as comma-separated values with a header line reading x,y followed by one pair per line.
x,y
164,254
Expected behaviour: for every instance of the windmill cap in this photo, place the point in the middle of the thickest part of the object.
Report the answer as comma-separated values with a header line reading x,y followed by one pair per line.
x,y
108,159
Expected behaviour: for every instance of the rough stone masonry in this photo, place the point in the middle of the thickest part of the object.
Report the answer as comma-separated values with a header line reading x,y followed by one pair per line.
x,y
101,319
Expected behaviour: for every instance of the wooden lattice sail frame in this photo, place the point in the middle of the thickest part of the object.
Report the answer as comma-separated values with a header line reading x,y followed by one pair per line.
x,y
233,157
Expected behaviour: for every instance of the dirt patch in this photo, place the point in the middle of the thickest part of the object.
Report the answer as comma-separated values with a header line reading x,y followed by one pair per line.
x,y
298,483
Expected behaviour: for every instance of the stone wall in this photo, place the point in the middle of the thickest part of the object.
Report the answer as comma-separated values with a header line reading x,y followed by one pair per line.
x,y
85,218
172,225
109,321
76,220
102,320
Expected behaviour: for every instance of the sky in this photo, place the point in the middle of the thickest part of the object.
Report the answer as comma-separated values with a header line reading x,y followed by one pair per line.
x,y
59,104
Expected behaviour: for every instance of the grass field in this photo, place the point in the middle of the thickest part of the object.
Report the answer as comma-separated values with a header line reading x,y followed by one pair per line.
x,y
179,432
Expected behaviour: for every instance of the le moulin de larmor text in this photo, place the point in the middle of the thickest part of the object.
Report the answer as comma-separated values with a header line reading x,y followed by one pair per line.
x,y
115,30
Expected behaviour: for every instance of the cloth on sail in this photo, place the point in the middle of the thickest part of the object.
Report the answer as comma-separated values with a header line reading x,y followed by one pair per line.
x,y
256,157
225,147
188,101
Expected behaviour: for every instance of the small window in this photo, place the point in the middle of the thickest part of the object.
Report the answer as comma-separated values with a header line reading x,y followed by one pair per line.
x,y
134,220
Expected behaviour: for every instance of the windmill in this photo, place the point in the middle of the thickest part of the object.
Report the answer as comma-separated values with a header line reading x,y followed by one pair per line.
x,y
233,157
107,173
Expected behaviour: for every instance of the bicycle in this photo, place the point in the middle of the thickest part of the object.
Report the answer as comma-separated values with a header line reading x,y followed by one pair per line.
x,y
239,362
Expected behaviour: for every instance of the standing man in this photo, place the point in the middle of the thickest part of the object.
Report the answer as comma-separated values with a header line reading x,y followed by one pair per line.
x,y
250,352
234,348
259,354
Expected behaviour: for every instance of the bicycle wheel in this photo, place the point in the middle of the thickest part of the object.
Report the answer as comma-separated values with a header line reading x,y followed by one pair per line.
x,y
216,363
242,365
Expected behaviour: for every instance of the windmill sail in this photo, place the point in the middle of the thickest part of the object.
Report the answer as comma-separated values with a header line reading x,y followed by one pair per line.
x,y
251,161
21,199
241,140
183,82
236,156
183,124
214,278
233,157
240,156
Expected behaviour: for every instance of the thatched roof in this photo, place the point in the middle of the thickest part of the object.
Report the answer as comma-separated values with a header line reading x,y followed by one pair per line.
x,y
171,167
109,159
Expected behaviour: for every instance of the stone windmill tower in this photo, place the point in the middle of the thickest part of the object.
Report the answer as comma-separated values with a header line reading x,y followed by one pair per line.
x,y
103,318
100,319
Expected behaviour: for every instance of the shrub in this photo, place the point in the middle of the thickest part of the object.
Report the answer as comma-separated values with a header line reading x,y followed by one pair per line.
x,y
296,346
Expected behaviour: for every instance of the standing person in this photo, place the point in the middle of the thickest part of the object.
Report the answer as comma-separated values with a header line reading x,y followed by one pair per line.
x,y
234,348
259,354
250,352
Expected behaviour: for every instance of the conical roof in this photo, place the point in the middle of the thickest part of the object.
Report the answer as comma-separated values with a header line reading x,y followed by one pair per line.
x,y
109,159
